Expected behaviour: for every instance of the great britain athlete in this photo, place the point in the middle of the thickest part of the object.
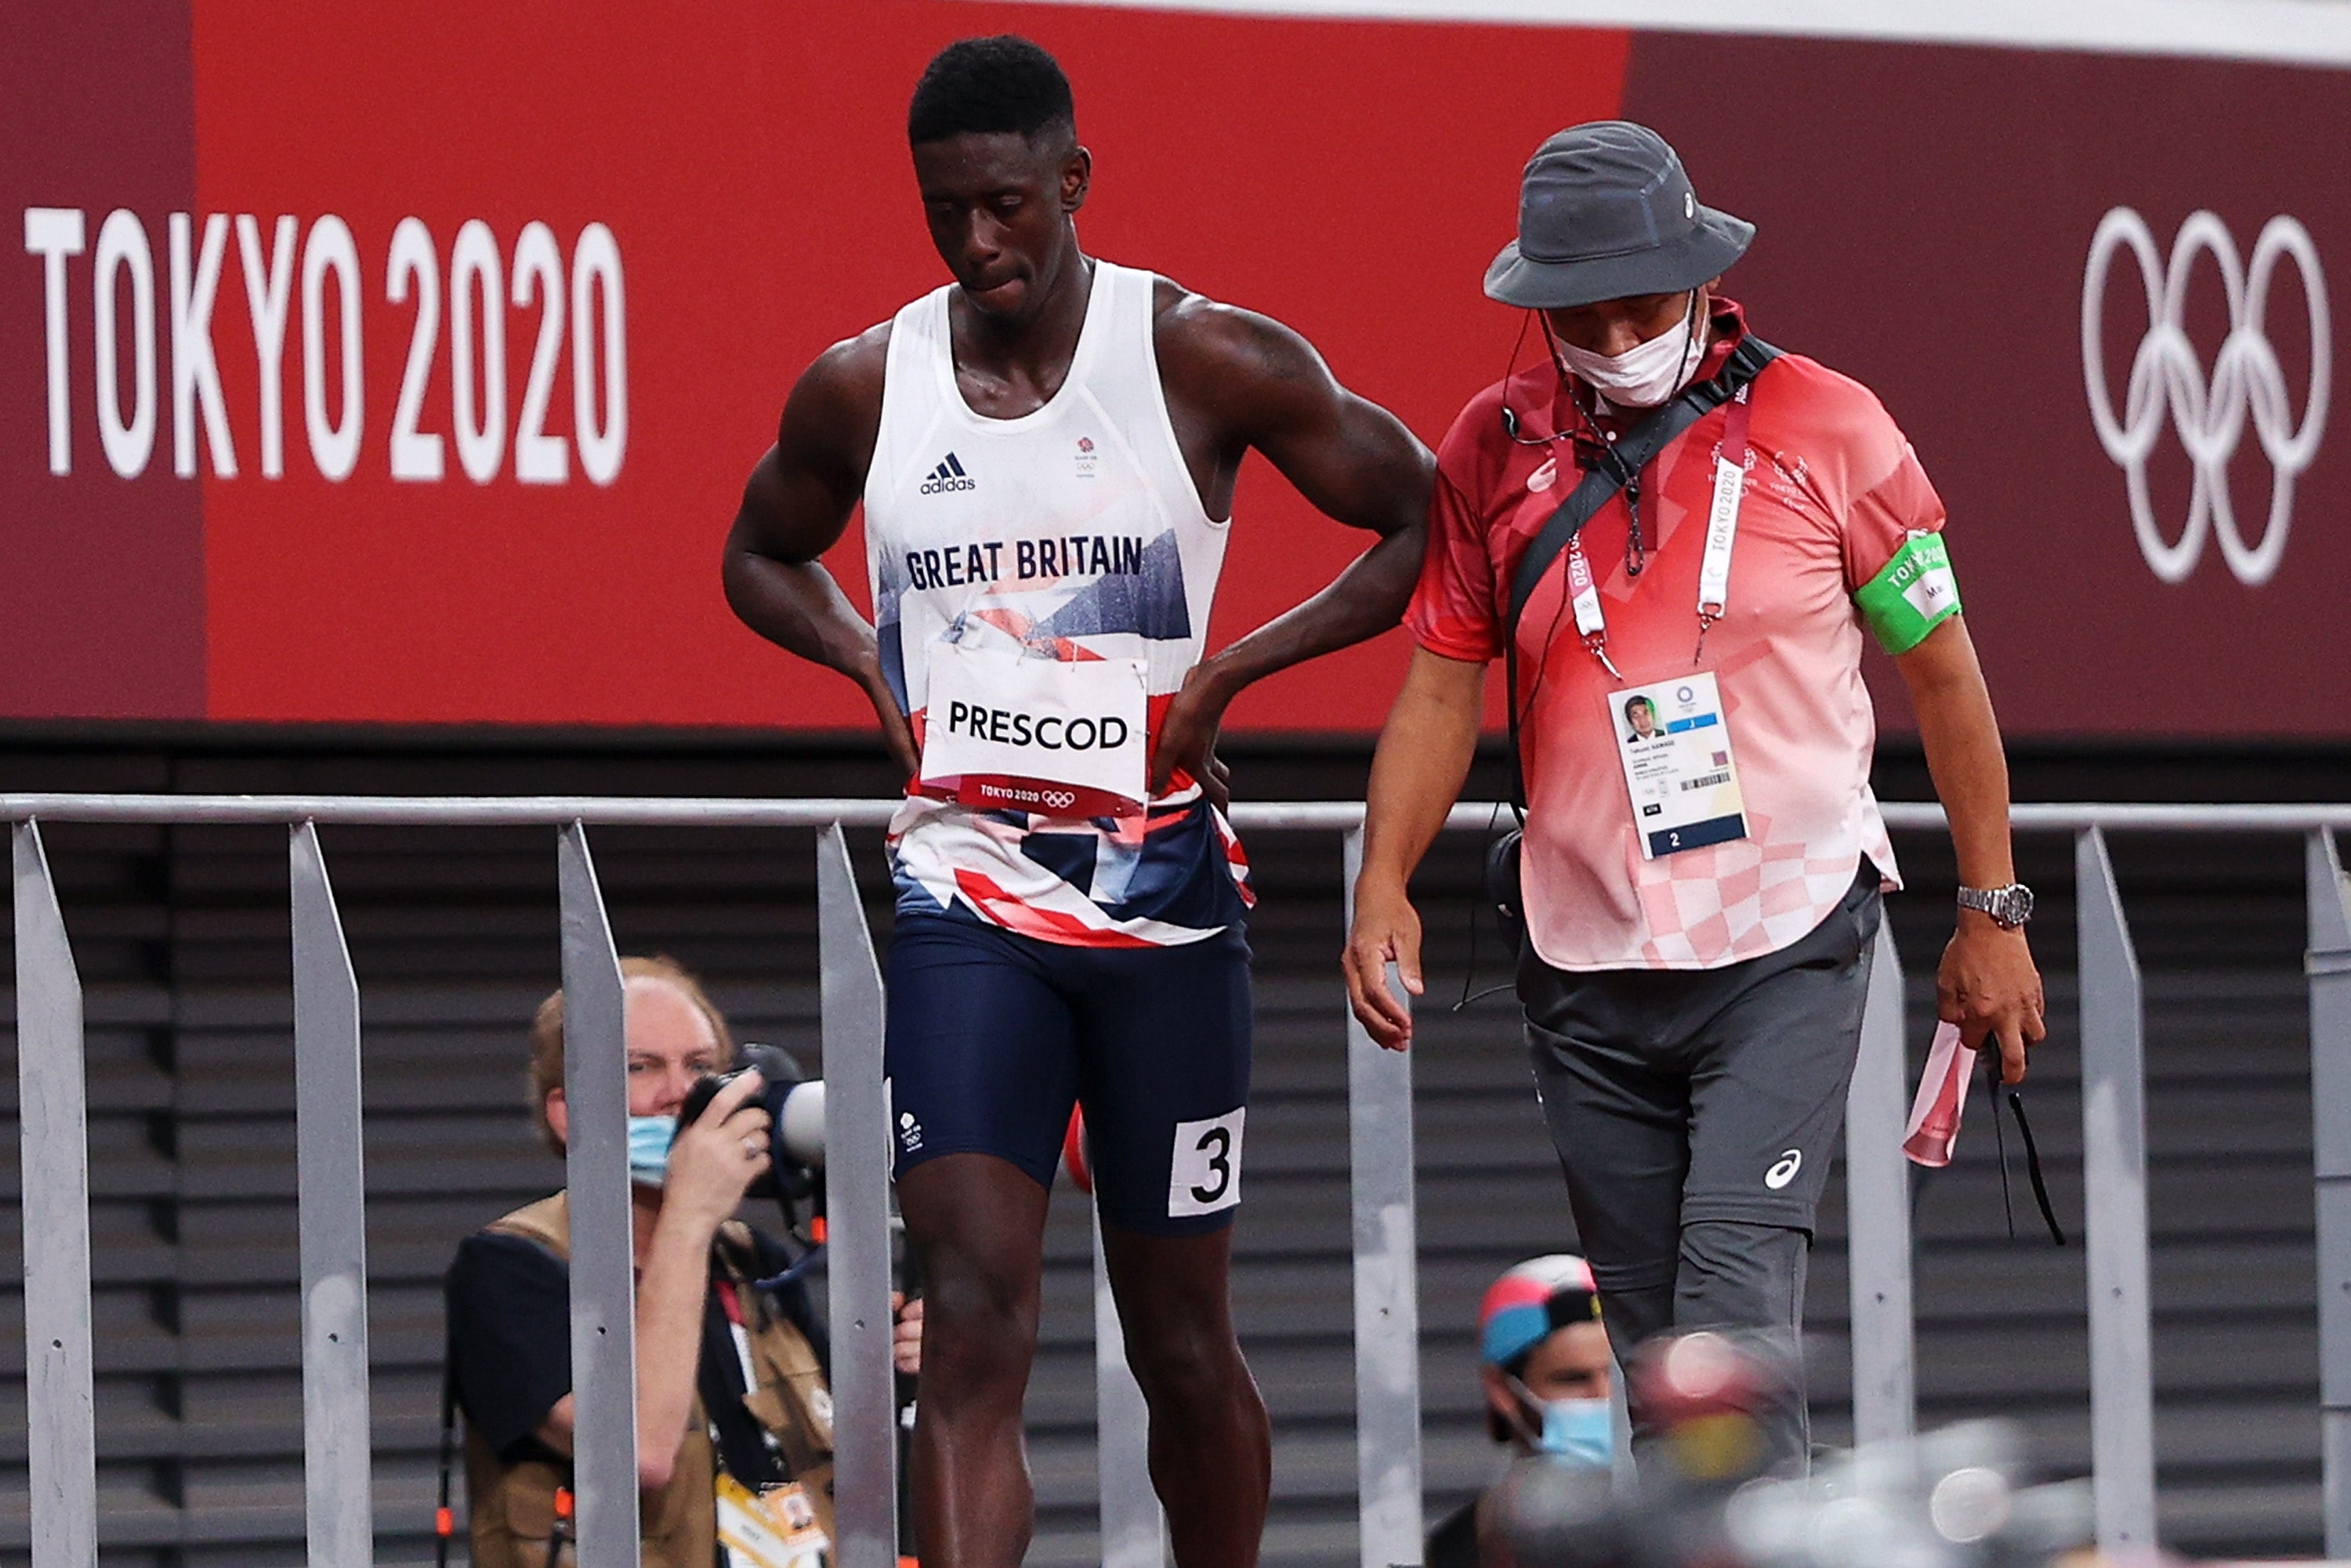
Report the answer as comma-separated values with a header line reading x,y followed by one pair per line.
x,y
1046,450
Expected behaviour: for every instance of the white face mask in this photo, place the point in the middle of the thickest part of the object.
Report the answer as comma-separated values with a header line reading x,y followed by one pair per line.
x,y
1645,374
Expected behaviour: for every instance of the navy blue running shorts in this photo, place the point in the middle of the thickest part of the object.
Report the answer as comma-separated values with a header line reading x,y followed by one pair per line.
x,y
993,1036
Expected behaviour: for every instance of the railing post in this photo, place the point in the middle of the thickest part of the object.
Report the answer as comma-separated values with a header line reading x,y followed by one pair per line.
x,y
2329,963
858,1139
1133,1527
1878,1208
1388,1300
52,1130
596,1162
336,1447
2114,1182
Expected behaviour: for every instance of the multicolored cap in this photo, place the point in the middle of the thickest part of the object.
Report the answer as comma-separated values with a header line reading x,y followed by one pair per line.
x,y
1527,1305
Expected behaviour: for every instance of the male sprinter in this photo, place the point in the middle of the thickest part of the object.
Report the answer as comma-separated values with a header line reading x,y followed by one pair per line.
x,y
1046,450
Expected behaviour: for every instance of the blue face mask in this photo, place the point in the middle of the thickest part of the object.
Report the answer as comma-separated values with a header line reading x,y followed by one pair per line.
x,y
1579,1431
649,1141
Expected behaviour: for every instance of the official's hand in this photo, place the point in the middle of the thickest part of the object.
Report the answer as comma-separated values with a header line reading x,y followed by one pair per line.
x,y
1387,931
717,1155
1988,986
906,1339
1187,736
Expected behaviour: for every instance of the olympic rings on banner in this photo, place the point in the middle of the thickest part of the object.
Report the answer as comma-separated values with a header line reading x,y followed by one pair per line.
x,y
2208,416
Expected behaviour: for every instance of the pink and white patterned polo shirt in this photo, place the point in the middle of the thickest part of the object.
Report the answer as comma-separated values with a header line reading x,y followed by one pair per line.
x,y
1833,491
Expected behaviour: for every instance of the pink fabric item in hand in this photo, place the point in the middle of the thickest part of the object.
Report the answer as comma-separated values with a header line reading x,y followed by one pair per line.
x,y
1933,1129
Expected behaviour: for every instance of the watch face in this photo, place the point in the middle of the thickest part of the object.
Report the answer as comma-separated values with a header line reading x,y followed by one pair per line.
x,y
2019,899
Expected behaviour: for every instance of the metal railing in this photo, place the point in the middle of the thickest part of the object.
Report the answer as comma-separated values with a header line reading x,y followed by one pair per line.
x,y
55,1152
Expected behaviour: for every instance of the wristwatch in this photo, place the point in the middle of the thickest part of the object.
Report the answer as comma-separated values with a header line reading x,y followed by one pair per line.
x,y
2009,906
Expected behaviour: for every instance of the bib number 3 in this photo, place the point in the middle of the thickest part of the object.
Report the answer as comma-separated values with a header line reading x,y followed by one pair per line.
x,y
1204,1174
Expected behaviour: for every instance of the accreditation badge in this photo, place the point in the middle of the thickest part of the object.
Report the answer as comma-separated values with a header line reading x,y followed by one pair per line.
x,y
1003,731
1675,746
775,1527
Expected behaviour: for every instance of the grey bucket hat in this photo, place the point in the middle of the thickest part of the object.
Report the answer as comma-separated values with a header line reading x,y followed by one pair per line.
x,y
1604,212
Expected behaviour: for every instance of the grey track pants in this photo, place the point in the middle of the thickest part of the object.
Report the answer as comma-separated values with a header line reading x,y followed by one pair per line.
x,y
1696,1113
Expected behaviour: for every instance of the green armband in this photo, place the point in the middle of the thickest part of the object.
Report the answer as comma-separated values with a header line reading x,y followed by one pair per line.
x,y
1915,594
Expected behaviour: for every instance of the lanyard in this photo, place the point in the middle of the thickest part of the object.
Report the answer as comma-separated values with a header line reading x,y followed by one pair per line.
x,y
1714,566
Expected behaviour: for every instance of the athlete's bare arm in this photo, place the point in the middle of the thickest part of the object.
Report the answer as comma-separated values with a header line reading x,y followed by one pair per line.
x,y
1238,381
794,508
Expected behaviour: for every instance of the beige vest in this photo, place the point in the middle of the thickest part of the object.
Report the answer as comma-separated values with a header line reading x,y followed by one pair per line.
x,y
511,1508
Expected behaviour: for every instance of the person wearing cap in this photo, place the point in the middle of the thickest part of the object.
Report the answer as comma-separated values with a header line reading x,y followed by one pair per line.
x,y
1700,906
1547,1376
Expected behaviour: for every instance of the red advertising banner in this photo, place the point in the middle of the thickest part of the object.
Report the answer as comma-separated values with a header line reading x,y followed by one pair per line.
x,y
403,364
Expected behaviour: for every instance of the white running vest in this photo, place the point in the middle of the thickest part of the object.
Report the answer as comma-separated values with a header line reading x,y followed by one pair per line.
x,y
1073,533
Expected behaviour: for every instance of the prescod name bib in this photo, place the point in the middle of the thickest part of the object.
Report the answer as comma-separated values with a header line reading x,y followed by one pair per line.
x,y
1009,732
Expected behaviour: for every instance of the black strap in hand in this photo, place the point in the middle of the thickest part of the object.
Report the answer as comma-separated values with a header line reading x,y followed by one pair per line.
x,y
1624,460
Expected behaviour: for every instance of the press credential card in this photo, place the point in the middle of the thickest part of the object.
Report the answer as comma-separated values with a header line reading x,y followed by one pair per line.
x,y
1675,748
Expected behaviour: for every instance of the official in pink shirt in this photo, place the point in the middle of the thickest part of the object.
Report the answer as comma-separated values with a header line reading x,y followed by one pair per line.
x,y
1702,860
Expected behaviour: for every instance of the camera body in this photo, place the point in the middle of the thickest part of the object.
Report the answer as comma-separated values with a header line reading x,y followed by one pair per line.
x,y
795,1107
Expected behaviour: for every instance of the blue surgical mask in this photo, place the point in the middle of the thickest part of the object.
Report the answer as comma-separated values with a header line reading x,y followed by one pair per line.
x,y
649,1141
1577,1431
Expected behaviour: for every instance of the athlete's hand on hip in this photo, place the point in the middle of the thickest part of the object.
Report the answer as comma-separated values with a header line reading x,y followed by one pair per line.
x,y
719,1154
897,735
1988,986
1387,931
1187,736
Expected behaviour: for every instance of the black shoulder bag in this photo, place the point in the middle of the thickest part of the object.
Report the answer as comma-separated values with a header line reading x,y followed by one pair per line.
x,y
1621,464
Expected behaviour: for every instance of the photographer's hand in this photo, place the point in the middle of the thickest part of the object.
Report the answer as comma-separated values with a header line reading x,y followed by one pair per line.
x,y
714,1160
906,1339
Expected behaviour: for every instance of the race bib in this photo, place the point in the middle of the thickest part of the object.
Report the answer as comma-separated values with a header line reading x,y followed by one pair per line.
x,y
1006,732
1675,748
773,1528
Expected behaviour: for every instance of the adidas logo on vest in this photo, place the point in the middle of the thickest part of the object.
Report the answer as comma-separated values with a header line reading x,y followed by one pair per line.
x,y
948,475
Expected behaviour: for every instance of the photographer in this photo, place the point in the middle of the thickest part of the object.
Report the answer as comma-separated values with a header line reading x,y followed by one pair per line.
x,y
734,1421
1547,1375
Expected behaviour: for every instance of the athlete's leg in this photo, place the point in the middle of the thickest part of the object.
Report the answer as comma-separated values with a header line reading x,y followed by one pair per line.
x,y
983,1072
1211,1447
976,1224
1164,1060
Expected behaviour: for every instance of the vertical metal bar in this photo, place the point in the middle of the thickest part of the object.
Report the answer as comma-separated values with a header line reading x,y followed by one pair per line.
x,y
858,1140
337,1454
1623,1477
53,1128
1878,1208
603,1276
2114,1182
2330,1093
1387,1300
1134,1528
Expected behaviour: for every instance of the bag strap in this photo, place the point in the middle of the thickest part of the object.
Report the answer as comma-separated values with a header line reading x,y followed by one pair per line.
x,y
1623,461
